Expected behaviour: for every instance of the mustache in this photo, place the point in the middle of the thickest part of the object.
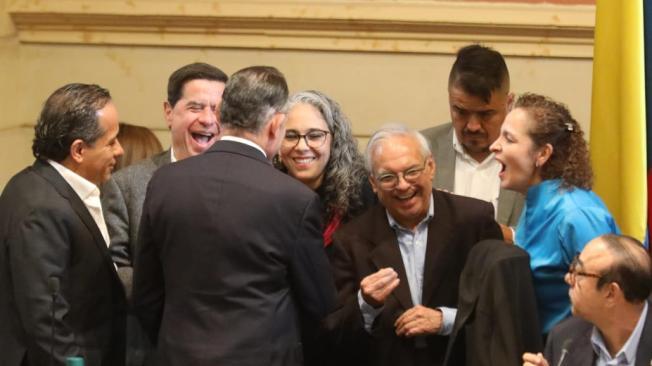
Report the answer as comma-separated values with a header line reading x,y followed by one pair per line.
x,y
473,133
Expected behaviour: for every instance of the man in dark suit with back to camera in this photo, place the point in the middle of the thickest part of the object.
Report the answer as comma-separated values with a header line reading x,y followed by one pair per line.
x,y
226,269
397,267
479,99
610,284
60,295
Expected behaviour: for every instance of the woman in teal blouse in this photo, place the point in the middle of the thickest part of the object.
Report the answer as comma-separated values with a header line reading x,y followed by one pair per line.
x,y
545,157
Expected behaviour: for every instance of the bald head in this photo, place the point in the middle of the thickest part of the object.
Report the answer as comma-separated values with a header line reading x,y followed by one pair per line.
x,y
627,264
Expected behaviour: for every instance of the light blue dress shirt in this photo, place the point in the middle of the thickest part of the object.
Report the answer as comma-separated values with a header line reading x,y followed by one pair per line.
x,y
412,244
554,227
627,355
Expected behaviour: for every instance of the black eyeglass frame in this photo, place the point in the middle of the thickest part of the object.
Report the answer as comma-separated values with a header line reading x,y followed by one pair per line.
x,y
305,138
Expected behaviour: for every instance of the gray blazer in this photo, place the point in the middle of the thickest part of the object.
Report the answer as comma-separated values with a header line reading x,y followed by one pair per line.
x,y
122,202
510,203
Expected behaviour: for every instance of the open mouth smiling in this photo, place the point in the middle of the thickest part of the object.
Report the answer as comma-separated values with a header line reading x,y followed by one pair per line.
x,y
202,137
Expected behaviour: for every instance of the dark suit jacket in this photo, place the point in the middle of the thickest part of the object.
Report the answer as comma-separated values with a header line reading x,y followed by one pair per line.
x,y
496,313
122,201
580,350
510,203
367,244
229,265
47,232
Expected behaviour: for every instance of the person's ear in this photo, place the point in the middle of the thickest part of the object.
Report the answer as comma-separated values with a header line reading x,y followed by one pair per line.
x,y
543,155
431,166
77,151
510,101
372,181
613,294
167,112
276,126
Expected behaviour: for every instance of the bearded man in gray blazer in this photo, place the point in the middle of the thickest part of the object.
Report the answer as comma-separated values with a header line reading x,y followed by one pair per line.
x,y
479,98
191,112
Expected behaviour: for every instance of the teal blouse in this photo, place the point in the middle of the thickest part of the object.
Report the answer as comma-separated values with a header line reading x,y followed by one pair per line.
x,y
555,225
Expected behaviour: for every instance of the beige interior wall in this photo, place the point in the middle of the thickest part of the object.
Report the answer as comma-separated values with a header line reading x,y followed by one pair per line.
x,y
373,88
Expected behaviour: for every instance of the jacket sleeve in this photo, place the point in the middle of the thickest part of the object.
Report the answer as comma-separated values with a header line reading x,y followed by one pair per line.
x,y
148,289
40,254
117,221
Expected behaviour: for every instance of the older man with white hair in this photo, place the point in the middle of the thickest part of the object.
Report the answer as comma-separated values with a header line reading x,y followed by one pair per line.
x,y
397,266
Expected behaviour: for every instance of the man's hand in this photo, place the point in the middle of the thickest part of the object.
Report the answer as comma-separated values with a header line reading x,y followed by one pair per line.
x,y
377,286
419,320
530,359
508,234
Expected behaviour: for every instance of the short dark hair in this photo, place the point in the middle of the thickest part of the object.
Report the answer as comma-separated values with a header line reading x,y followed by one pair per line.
x,y
479,71
70,113
630,270
251,96
553,124
194,71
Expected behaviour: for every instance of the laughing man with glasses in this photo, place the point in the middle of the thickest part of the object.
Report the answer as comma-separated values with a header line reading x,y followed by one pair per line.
x,y
398,265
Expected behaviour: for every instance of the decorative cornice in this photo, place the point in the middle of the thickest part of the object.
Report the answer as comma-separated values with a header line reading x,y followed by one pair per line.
x,y
364,25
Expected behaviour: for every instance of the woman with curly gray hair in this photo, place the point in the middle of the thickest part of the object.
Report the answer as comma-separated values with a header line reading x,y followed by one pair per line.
x,y
319,150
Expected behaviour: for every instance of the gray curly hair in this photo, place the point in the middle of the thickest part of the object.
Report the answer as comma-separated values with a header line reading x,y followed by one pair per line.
x,y
344,174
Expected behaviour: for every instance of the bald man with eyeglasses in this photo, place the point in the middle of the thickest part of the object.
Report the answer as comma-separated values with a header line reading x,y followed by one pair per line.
x,y
397,266
610,284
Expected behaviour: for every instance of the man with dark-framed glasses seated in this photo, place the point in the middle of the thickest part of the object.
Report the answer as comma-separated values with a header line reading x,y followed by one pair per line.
x,y
610,284
397,266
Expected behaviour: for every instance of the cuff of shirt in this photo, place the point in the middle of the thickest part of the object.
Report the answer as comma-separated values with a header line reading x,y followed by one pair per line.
x,y
369,313
447,320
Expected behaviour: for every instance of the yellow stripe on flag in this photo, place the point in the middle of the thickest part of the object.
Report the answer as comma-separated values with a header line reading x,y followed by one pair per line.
x,y
618,113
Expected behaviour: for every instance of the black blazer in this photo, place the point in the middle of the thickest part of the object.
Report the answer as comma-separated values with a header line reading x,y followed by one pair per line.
x,y
230,257
496,312
47,232
368,243
580,350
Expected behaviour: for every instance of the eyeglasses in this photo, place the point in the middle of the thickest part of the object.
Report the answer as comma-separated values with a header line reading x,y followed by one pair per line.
x,y
573,271
314,138
388,181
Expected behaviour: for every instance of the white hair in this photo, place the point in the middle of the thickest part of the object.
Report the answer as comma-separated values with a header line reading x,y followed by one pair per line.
x,y
391,130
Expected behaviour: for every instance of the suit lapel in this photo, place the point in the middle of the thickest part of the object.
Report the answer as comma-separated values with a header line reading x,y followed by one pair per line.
x,y
445,163
387,254
581,353
65,190
439,241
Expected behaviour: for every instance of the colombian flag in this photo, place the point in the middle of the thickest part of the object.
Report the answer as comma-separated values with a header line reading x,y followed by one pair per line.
x,y
618,120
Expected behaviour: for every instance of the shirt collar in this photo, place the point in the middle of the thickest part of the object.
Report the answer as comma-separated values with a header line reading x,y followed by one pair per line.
x,y
244,141
83,187
431,212
629,348
173,159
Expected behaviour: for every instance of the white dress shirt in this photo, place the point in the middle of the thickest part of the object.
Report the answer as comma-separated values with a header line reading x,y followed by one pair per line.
x,y
244,141
412,244
477,180
88,192
627,355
